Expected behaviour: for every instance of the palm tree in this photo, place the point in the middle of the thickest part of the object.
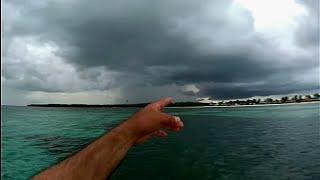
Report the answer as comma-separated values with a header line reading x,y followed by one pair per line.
x,y
269,100
284,99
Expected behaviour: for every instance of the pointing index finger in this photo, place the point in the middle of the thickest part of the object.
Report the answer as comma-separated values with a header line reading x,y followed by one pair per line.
x,y
163,103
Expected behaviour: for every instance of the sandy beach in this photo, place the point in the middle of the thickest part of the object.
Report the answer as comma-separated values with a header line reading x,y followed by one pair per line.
x,y
256,105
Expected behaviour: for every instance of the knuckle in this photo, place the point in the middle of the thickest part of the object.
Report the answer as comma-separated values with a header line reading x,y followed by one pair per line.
x,y
153,106
167,117
149,106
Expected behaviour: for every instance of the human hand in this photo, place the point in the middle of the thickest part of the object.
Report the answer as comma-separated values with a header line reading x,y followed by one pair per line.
x,y
101,157
150,121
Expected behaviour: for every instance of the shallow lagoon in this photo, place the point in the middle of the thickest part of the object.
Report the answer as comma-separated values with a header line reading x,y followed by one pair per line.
x,y
272,142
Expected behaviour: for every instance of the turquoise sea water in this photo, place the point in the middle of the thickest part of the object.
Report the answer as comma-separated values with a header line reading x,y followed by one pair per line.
x,y
274,142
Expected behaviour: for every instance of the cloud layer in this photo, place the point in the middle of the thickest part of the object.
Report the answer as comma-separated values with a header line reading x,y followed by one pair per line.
x,y
144,50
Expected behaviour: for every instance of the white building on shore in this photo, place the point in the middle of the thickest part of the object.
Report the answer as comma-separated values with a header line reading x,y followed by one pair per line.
x,y
205,100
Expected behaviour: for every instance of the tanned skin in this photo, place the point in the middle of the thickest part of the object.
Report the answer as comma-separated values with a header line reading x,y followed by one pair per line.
x,y
101,157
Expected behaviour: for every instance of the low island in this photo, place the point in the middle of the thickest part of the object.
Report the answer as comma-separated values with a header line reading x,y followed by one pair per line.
x,y
248,102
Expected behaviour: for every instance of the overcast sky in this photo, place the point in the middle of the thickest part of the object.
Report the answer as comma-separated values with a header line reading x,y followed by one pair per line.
x,y
116,50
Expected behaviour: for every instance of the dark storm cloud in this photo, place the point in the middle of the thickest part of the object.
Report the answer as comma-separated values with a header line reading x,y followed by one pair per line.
x,y
283,84
165,42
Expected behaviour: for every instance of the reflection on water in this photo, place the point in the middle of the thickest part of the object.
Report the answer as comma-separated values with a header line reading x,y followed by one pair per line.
x,y
275,142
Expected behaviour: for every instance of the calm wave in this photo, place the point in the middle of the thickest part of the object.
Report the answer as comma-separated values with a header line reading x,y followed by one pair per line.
x,y
274,142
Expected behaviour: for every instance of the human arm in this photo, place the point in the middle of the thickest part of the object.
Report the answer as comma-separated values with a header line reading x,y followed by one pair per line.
x,y
101,157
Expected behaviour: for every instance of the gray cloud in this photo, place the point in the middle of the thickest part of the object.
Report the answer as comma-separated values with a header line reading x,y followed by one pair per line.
x,y
137,44
307,34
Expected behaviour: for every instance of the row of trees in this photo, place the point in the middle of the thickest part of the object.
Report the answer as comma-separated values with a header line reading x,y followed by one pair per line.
x,y
285,99
300,98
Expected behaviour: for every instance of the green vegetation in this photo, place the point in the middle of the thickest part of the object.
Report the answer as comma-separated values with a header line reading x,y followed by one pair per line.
x,y
282,100
285,99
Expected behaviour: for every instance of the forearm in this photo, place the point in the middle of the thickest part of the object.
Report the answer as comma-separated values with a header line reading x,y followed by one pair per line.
x,y
101,157
97,160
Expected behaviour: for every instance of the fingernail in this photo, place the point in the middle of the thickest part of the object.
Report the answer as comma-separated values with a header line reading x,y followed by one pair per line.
x,y
178,120
181,123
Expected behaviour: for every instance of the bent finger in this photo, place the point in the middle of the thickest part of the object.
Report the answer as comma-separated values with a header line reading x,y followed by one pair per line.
x,y
161,133
173,123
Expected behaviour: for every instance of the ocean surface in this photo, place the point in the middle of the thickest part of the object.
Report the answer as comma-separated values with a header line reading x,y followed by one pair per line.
x,y
272,142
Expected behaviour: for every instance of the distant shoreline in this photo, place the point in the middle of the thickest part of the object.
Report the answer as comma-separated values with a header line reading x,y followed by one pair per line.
x,y
175,105
178,104
254,105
